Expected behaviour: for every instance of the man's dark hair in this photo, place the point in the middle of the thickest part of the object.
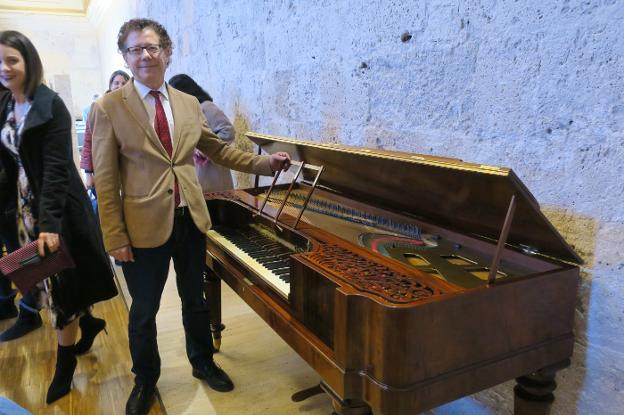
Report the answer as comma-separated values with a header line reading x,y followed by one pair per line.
x,y
115,75
186,84
32,61
138,25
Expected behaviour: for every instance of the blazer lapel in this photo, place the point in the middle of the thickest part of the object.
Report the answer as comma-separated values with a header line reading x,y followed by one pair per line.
x,y
178,115
136,108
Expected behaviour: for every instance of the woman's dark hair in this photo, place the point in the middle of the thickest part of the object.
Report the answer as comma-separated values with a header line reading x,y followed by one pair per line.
x,y
186,84
137,25
32,61
115,75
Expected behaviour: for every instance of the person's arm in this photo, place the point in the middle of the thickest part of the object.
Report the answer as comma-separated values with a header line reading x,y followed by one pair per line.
x,y
231,157
107,181
218,122
86,161
56,155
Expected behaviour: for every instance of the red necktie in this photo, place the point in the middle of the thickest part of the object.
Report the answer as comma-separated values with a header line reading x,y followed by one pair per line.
x,y
161,125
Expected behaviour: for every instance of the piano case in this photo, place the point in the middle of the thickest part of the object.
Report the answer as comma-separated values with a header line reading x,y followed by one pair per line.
x,y
456,281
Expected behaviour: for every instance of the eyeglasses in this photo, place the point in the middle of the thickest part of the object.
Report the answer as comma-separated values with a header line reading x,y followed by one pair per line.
x,y
138,50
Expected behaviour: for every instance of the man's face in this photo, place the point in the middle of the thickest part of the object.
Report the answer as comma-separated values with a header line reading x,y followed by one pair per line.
x,y
147,68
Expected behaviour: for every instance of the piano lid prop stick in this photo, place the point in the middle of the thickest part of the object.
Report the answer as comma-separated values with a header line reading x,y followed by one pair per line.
x,y
266,199
502,240
319,170
257,179
292,184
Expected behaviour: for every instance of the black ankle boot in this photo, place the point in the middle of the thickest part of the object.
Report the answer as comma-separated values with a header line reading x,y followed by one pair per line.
x,y
90,327
7,307
65,366
26,322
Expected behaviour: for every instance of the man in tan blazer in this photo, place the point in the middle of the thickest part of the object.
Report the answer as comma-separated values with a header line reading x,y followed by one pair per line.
x,y
151,205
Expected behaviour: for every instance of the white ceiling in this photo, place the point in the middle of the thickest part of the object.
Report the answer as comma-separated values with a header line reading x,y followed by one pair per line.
x,y
69,7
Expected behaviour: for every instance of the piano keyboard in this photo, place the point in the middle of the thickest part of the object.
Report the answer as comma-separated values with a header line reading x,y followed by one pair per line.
x,y
263,255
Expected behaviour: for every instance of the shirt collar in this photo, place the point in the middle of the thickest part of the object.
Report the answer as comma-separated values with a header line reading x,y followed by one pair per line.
x,y
144,90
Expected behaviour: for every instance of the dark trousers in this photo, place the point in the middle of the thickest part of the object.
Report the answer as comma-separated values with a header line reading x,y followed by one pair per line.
x,y
146,278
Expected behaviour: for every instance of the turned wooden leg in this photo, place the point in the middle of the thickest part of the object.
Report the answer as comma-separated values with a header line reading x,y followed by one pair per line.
x,y
533,394
351,407
346,406
212,292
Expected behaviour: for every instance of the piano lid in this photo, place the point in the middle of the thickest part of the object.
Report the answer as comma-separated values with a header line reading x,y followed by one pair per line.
x,y
465,197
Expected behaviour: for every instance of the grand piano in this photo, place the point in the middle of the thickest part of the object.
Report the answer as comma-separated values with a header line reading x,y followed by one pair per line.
x,y
405,281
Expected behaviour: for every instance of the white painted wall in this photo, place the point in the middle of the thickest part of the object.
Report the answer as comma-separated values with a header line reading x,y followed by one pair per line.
x,y
533,85
67,46
107,16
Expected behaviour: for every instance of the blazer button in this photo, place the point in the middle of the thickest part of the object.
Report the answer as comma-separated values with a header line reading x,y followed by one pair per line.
x,y
170,191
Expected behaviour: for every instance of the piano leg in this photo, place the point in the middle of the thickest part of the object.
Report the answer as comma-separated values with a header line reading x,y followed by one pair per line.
x,y
351,407
347,406
533,394
212,293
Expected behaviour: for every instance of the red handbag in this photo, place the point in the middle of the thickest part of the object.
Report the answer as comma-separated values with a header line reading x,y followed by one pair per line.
x,y
25,267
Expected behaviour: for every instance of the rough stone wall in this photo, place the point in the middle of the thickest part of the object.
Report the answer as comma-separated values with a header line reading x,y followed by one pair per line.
x,y
532,85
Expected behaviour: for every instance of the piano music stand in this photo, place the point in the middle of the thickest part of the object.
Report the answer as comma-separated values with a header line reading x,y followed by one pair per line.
x,y
302,166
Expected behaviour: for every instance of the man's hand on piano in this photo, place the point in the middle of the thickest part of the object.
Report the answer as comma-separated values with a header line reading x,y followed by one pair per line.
x,y
279,161
122,254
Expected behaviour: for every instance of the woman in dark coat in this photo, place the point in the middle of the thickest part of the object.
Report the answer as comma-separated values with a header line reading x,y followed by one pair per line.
x,y
52,203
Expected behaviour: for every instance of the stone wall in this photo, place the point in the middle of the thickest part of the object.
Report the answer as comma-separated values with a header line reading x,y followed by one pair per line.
x,y
533,85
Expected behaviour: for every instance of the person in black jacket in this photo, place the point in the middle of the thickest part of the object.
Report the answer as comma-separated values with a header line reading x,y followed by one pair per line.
x,y
51,201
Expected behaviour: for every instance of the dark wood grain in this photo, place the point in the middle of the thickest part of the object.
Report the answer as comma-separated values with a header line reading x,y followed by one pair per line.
x,y
410,355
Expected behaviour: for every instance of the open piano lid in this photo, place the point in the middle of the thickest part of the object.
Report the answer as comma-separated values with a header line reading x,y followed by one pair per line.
x,y
465,197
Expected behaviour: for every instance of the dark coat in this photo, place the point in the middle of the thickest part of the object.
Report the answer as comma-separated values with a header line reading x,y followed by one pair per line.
x,y
61,202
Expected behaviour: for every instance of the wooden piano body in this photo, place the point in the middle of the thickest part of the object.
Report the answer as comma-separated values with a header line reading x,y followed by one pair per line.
x,y
392,324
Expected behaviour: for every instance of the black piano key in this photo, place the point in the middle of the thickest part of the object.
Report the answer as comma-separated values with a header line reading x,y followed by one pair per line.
x,y
275,266
269,260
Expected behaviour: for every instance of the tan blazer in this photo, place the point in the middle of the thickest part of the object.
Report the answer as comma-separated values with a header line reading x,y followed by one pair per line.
x,y
134,175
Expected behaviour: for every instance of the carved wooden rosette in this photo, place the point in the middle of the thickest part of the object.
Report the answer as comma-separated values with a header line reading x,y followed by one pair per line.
x,y
223,195
370,276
